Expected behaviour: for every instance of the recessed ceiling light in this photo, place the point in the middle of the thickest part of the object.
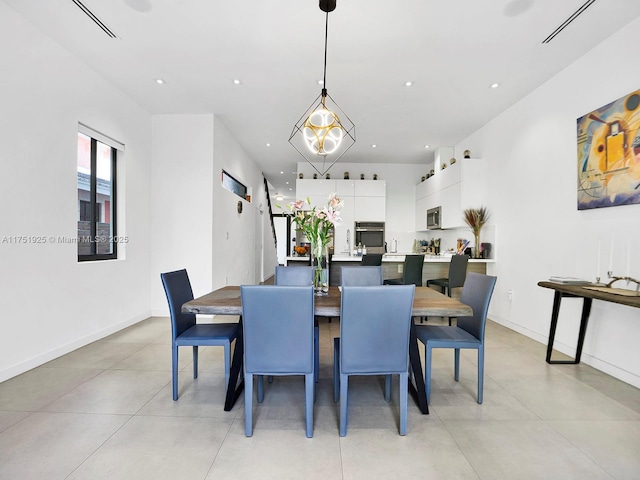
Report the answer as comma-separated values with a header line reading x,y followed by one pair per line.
x,y
279,197
374,145
141,6
281,173
268,145
427,146
286,183
320,82
236,81
495,85
408,83
160,81
291,189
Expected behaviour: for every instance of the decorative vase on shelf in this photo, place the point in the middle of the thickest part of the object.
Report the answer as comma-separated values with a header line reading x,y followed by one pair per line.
x,y
476,218
319,256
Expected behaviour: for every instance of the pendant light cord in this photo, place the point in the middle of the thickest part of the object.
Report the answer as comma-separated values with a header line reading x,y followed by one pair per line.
x,y
324,78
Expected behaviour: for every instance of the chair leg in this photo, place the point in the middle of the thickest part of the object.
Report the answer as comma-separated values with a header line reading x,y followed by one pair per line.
x,y
260,388
387,388
404,391
344,386
336,369
248,404
427,370
456,364
174,371
310,386
316,353
480,372
195,361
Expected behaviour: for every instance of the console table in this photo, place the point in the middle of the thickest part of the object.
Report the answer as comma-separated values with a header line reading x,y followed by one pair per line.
x,y
588,293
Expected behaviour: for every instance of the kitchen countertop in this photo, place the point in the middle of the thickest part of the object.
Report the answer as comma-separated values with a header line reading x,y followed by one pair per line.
x,y
395,257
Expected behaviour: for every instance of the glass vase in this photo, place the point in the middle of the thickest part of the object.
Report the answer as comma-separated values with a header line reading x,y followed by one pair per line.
x,y
319,258
477,253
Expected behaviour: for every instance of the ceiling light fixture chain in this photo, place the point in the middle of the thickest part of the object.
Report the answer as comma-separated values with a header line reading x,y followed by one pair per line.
x,y
320,133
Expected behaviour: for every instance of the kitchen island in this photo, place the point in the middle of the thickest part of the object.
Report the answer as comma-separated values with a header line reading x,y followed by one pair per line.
x,y
435,266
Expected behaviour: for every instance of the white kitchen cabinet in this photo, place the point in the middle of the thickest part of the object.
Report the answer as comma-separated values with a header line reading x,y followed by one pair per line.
x,y
364,201
309,187
370,209
457,187
370,188
345,188
340,232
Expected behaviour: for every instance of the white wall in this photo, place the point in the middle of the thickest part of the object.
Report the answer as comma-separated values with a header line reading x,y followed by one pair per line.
x,y
181,198
531,149
195,221
51,303
243,246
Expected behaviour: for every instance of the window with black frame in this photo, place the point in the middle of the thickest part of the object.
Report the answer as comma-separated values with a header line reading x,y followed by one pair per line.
x,y
97,160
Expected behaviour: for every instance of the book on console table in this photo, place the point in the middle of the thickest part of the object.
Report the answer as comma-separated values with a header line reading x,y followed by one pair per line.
x,y
569,281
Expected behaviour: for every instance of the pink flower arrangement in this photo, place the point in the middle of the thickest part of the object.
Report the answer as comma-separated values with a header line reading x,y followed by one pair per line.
x,y
317,223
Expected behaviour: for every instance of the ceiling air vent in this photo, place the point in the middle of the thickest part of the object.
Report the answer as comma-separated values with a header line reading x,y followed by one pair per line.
x,y
571,18
95,19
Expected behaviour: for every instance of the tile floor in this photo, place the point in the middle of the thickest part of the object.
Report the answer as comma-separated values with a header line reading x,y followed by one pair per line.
x,y
105,412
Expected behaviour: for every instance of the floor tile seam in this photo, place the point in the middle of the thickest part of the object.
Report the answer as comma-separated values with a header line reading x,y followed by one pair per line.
x,y
98,447
99,372
464,455
583,452
161,388
601,392
19,421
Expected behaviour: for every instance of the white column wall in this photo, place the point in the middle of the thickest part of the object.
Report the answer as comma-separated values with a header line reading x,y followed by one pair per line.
x,y
182,202
51,303
531,150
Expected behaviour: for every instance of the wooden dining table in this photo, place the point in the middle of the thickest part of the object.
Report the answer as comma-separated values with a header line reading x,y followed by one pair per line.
x,y
427,302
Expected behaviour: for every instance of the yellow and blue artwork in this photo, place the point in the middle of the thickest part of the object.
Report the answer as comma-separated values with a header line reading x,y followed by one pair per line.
x,y
609,154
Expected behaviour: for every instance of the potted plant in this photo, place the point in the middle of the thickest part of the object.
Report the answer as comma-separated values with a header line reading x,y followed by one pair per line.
x,y
476,218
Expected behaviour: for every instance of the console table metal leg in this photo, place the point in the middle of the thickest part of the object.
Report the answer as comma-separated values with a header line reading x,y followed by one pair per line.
x,y
584,321
557,298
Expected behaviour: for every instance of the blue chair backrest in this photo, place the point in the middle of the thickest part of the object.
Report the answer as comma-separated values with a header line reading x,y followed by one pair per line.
x,y
476,293
412,274
294,275
371,259
361,276
178,290
374,328
278,327
458,271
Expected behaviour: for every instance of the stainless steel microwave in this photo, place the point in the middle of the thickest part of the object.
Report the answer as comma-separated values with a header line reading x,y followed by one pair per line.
x,y
434,218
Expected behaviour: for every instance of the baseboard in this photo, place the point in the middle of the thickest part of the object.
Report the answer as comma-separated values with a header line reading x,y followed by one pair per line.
x,y
570,350
45,357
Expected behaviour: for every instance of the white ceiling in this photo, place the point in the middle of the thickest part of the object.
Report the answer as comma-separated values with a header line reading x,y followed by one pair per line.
x,y
452,51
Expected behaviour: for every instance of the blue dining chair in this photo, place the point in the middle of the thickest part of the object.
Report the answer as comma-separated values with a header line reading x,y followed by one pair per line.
x,y
374,340
278,340
411,273
361,276
186,332
457,275
296,276
469,332
292,275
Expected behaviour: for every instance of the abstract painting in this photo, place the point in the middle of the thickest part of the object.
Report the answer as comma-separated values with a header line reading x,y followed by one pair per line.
x,y
609,154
